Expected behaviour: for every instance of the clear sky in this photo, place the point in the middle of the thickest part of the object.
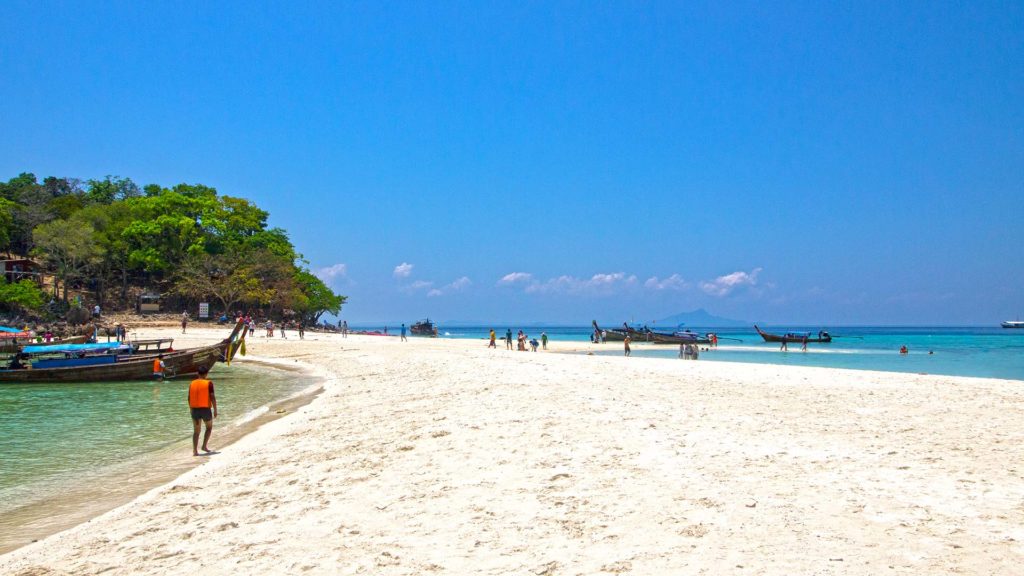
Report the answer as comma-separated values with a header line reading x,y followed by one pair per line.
x,y
789,163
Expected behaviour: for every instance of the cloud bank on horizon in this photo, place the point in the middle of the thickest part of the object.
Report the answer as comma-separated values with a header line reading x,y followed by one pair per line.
x,y
617,282
600,284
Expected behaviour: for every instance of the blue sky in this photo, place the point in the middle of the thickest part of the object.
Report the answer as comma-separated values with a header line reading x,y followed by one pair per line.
x,y
789,163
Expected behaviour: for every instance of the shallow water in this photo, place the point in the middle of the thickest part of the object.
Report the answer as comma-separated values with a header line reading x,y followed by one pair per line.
x,y
989,352
55,437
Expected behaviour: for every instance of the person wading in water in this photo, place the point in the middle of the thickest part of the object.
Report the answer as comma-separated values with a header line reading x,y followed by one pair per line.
x,y
200,401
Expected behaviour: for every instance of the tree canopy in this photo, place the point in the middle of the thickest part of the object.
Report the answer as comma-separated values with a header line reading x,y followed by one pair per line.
x,y
109,235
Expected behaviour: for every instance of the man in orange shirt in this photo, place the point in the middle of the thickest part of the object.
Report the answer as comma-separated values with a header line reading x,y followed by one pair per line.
x,y
159,367
200,400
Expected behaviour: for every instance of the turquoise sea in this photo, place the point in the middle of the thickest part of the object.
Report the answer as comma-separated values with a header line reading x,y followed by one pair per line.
x,y
58,439
988,352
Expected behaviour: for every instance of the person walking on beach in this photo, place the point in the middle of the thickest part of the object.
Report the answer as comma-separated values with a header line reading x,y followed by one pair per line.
x,y
783,348
508,339
184,321
544,340
626,342
403,333
302,332
493,338
201,400
344,329
282,331
803,343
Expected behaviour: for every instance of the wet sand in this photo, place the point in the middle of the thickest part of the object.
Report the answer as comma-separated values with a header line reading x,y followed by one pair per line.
x,y
121,483
442,456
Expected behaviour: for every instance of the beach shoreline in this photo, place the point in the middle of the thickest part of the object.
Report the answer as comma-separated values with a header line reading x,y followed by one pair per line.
x,y
444,456
118,485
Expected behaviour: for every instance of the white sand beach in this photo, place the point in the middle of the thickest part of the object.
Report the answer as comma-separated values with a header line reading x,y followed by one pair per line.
x,y
446,457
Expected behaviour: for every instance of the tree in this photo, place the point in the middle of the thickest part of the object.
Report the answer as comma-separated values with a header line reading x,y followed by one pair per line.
x,y
164,230
111,188
57,187
109,223
29,211
68,247
21,296
226,278
6,223
316,297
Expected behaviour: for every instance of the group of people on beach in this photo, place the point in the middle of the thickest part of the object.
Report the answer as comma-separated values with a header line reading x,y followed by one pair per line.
x,y
522,341
688,351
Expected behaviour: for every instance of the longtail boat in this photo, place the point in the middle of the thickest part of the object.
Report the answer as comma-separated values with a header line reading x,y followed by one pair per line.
x,y
823,337
423,328
16,344
648,335
114,366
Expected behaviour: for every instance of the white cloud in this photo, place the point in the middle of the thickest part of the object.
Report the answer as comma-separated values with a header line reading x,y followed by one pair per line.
x,y
455,286
337,271
673,282
724,285
417,286
601,284
515,277
403,270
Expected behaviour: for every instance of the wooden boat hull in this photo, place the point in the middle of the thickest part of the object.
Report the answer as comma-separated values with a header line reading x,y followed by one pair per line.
x,y
14,345
654,337
180,363
786,338
425,328
659,338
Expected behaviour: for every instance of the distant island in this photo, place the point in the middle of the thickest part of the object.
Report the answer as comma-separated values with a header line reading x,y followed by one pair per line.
x,y
701,318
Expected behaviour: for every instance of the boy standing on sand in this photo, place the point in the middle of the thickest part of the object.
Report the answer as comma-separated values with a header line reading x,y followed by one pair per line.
x,y
626,342
544,339
508,339
403,333
200,401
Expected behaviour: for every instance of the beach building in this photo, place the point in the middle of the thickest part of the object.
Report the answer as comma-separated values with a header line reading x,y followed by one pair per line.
x,y
17,269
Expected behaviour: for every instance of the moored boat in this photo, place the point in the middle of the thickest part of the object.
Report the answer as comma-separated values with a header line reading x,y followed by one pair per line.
x,y
822,337
423,328
16,344
647,335
119,361
1013,324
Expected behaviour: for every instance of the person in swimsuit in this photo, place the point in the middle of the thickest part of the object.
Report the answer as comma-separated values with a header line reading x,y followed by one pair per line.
x,y
203,405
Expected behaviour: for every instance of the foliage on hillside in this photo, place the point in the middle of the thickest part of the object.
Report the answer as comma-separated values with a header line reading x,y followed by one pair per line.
x,y
109,236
